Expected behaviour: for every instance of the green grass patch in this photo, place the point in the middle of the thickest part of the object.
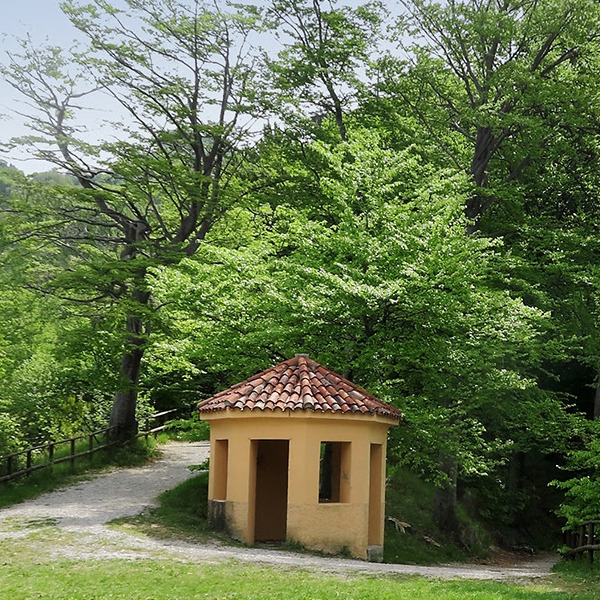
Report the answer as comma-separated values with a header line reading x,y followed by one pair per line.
x,y
409,500
63,474
579,575
24,576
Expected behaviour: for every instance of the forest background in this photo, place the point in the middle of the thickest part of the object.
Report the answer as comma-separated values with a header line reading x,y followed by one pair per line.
x,y
408,193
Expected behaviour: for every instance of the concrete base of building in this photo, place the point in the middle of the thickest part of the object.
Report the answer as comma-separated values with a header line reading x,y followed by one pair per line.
x,y
375,554
216,515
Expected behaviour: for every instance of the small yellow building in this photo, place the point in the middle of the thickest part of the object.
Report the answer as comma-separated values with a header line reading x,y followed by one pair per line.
x,y
298,453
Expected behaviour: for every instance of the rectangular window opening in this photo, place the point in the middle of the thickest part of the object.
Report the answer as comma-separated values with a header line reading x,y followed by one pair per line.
x,y
219,469
334,472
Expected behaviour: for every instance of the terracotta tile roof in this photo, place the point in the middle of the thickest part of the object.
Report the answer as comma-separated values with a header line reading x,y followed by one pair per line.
x,y
298,384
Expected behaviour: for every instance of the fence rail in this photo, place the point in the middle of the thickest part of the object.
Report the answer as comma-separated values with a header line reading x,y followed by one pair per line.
x,y
33,459
155,423
582,539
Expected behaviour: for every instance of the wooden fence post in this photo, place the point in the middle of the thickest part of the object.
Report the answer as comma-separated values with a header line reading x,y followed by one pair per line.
x,y
13,463
72,454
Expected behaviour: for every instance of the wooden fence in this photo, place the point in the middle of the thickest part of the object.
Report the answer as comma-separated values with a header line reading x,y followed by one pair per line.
x,y
582,539
155,423
43,456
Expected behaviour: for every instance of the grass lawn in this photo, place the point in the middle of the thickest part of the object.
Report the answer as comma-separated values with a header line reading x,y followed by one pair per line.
x,y
24,576
29,569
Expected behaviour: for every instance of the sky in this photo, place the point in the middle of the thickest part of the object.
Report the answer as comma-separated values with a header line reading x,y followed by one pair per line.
x,y
44,22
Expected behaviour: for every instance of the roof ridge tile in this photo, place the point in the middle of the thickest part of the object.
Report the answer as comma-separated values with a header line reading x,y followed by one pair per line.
x,y
298,384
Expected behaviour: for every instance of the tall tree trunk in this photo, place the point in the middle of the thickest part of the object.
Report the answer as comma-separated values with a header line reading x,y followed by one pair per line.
x,y
123,412
597,400
485,146
515,485
444,507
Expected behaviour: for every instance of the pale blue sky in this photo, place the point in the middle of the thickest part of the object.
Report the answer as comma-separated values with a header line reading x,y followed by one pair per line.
x,y
44,22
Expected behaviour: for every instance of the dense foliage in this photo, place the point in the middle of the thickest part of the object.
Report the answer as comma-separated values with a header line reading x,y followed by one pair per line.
x,y
415,206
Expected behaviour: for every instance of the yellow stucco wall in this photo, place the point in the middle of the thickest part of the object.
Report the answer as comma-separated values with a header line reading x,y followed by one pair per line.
x,y
328,527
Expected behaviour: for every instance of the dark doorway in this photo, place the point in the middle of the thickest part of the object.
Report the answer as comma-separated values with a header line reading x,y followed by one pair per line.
x,y
271,490
375,488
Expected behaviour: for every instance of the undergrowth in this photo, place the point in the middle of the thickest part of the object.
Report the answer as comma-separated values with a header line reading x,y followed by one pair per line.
x,y
411,536
188,430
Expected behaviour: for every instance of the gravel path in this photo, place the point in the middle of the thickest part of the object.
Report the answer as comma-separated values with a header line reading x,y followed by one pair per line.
x,y
73,521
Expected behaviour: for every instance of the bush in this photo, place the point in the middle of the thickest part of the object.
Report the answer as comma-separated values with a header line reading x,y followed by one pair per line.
x,y
188,430
9,435
582,491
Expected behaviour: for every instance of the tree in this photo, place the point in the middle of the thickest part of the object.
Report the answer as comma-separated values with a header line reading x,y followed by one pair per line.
x,y
55,363
182,76
502,88
390,293
509,77
582,488
7,174
327,51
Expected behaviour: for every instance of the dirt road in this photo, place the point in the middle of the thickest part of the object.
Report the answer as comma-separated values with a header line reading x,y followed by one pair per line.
x,y
73,521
